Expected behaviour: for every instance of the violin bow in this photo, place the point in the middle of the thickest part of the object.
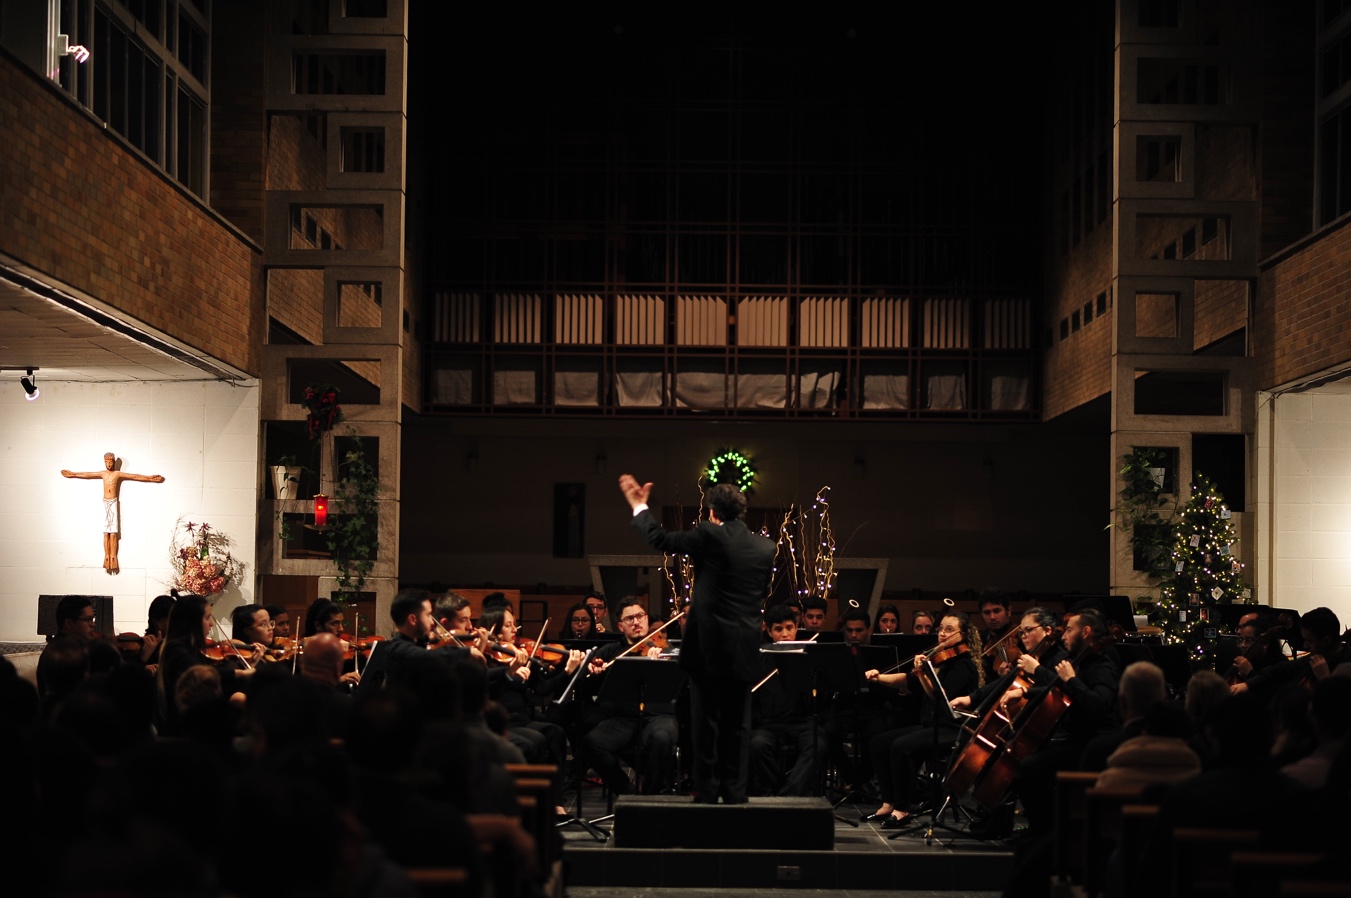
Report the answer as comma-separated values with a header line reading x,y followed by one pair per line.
x,y
230,643
542,630
644,639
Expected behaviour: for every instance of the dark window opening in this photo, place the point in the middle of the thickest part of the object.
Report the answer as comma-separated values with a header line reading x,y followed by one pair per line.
x,y
1179,393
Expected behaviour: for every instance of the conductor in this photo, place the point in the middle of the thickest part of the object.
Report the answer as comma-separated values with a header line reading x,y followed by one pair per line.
x,y
720,649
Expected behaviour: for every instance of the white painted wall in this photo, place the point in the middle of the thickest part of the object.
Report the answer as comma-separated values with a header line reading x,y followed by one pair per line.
x,y
203,437
1304,500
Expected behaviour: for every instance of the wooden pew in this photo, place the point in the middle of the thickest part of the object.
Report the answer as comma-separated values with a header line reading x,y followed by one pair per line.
x,y
1071,787
1259,874
440,882
1201,858
536,794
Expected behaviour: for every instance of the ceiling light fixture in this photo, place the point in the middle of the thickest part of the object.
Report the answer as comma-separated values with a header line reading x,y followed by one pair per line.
x,y
30,386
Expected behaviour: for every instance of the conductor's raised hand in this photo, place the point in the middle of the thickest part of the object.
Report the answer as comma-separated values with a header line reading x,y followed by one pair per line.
x,y
634,491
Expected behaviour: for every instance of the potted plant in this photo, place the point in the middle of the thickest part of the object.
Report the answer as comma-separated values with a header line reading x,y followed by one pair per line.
x,y
286,477
353,535
1143,512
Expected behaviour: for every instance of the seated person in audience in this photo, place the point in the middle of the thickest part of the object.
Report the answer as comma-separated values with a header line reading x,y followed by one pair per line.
x,y
62,667
780,720
1159,754
322,661
1141,687
1330,711
1206,690
654,731
922,623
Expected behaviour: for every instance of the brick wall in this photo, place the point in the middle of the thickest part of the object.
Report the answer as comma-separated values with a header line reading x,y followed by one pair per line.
x,y
79,206
1303,315
1078,368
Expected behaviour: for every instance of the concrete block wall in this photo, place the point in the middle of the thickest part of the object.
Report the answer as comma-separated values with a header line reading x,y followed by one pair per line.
x,y
203,437
1304,500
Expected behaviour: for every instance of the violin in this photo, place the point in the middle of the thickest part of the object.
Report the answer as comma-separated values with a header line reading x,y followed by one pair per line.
x,y
282,649
1006,648
938,656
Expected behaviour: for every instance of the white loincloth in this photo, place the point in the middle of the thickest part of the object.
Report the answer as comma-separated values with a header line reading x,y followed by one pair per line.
x,y
112,517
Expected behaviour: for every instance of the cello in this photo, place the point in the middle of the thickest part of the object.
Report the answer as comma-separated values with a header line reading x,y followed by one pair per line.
x,y
989,735
1028,732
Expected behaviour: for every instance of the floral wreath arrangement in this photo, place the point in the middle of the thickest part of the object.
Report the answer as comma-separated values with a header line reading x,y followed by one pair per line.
x,y
321,403
730,466
202,560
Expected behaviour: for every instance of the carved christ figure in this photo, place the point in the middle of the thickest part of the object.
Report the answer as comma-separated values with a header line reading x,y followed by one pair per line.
x,y
112,516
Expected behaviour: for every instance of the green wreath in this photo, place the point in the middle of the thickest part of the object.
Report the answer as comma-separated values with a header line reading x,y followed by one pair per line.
x,y
730,466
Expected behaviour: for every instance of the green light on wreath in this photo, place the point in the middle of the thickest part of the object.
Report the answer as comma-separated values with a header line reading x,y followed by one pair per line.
x,y
730,466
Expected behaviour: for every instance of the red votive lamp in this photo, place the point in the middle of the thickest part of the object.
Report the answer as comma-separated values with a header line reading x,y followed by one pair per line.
x,y
320,510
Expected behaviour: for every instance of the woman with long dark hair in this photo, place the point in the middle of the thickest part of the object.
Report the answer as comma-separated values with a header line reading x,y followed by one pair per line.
x,y
897,753
185,645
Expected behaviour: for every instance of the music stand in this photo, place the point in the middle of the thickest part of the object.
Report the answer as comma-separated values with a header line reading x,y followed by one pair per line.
x,y
943,710
640,682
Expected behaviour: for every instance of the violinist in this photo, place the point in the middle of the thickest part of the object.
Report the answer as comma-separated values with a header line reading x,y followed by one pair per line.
x,y
1036,663
994,612
520,686
897,754
655,732
324,616
406,650
1327,650
185,645
281,621
455,625
252,631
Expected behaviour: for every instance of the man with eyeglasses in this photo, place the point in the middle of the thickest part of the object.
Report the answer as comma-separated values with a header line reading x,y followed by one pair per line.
x,y
654,729
720,649
595,603
64,662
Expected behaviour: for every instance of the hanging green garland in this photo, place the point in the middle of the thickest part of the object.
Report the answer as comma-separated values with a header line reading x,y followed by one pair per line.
x,y
730,466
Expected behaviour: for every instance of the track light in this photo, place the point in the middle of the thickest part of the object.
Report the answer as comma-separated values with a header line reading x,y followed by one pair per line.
x,y
30,386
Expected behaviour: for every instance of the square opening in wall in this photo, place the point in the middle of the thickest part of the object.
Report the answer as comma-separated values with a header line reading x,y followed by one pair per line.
x,y
1180,392
357,380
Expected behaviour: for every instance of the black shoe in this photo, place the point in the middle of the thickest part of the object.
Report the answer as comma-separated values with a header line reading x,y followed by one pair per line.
x,y
894,822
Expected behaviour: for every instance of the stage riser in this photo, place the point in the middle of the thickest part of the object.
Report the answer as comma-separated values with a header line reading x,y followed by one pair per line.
x,y
805,824
939,871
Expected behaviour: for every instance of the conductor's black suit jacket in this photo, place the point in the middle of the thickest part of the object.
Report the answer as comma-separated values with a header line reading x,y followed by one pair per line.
x,y
732,568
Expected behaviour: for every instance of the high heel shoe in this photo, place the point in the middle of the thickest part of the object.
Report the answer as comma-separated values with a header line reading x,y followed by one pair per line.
x,y
894,822
879,815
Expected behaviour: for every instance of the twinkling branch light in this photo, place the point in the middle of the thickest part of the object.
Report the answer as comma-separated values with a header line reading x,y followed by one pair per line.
x,y
804,561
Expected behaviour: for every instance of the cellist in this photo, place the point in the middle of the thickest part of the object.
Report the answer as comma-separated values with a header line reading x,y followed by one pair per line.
x,y
1327,650
1087,680
1036,663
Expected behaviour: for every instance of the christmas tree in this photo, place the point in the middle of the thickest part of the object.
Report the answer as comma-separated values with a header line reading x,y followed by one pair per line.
x,y
1206,572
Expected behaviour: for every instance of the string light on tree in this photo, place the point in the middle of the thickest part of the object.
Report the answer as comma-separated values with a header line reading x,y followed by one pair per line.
x,y
1205,572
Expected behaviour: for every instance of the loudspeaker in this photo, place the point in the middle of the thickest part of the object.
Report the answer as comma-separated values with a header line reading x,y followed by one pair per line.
x,y
103,613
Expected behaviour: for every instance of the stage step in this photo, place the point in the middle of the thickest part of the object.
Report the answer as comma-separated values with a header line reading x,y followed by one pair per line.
x,y
675,821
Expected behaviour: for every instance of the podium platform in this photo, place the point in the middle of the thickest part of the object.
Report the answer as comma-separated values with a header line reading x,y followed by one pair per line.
x,y
675,821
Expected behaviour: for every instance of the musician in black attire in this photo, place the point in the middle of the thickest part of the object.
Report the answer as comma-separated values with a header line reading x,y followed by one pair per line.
x,y
897,753
1089,678
655,731
1037,625
780,719
994,612
1323,638
720,645
1260,637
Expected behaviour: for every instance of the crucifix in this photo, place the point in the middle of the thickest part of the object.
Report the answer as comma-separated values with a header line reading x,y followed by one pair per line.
x,y
112,516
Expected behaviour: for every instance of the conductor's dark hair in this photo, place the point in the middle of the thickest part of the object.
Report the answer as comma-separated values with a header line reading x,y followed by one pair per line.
x,y
727,502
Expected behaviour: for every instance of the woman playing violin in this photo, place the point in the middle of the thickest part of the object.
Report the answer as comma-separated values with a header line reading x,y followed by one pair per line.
x,y
187,643
252,632
520,684
897,753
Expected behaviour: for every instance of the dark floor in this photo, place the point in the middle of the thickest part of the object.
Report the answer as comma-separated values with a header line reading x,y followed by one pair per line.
x,y
859,858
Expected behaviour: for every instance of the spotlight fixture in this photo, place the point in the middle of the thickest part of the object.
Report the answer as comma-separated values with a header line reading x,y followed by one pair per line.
x,y
30,386
65,48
